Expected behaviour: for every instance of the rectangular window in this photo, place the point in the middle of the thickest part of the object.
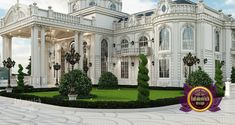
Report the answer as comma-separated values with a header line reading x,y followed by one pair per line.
x,y
124,70
164,68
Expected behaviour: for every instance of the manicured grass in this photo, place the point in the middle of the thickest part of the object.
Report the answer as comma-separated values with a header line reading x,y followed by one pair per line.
x,y
125,94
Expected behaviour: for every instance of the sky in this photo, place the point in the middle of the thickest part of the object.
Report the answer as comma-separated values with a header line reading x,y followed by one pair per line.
x,y
21,47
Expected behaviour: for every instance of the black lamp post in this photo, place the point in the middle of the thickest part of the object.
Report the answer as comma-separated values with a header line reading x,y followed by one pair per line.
x,y
85,67
57,67
9,64
190,60
72,57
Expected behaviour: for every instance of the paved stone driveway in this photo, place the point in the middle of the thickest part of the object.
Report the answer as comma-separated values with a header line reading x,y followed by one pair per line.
x,y
16,112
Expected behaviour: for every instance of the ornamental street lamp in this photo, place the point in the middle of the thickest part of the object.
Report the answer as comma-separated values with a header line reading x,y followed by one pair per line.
x,y
190,60
57,67
72,57
85,67
9,64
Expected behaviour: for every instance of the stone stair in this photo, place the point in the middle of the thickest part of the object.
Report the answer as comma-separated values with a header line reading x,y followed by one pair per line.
x,y
233,88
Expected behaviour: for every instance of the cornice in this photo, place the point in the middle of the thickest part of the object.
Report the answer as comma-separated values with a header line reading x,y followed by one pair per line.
x,y
100,10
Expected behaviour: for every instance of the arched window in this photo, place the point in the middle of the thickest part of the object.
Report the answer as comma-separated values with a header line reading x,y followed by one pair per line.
x,y
113,7
92,3
188,43
124,44
164,43
104,56
143,41
217,41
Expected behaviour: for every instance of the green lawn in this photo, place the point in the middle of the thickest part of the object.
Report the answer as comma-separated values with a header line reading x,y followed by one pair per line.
x,y
126,94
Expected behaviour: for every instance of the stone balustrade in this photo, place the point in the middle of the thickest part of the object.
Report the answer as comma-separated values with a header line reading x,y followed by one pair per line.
x,y
133,51
183,8
136,22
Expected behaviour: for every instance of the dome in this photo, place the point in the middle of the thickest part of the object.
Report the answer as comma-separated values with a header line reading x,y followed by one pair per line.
x,y
184,2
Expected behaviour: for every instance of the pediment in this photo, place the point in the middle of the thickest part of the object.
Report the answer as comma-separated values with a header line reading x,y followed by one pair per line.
x,y
16,13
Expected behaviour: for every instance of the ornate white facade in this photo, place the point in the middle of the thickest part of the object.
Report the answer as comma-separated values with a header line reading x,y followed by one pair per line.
x,y
114,39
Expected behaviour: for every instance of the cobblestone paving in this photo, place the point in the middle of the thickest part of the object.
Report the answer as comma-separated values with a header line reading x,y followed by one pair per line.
x,y
18,112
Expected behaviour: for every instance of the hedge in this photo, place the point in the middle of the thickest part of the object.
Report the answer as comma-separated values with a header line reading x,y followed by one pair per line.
x,y
95,104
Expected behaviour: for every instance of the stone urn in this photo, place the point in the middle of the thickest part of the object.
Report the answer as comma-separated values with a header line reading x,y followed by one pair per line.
x,y
9,90
72,97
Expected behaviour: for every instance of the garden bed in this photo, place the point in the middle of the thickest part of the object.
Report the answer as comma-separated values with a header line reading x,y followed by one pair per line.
x,y
108,99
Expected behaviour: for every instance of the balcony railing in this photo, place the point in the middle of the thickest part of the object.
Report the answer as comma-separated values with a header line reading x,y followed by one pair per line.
x,y
133,51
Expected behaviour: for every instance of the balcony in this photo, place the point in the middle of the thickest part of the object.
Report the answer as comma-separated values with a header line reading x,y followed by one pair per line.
x,y
133,52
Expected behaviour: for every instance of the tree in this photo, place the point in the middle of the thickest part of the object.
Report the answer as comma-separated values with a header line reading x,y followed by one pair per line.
x,y
29,67
20,79
233,75
219,78
143,78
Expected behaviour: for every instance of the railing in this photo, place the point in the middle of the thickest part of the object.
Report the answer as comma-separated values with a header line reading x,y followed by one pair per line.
x,y
133,51
183,8
65,17
136,22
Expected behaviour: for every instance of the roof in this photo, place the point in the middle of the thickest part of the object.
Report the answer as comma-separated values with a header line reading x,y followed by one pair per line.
x,y
184,2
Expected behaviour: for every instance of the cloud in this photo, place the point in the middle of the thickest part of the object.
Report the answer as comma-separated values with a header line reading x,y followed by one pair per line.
x,y
230,2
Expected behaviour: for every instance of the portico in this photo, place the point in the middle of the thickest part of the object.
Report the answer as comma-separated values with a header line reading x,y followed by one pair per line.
x,y
58,29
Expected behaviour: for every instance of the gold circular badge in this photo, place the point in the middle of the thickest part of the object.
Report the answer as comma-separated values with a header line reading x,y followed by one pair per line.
x,y
200,99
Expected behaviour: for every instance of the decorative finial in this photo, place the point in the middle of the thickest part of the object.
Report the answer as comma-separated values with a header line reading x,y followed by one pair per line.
x,y
49,7
35,4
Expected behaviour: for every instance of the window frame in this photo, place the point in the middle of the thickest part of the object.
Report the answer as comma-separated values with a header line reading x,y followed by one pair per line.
x,y
169,68
124,70
217,38
143,40
193,38
169,40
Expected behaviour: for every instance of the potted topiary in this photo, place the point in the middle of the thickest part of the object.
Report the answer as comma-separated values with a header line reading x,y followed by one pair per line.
x,y
75,83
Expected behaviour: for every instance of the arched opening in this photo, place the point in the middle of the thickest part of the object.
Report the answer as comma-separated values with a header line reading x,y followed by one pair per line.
x,y
113,7
104,56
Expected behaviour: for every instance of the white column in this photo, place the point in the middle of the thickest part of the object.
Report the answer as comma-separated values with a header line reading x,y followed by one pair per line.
x,y
35,57
81,51
7,47
32,57
228,54
43,63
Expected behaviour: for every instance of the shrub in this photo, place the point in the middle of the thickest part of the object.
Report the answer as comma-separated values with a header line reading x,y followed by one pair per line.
x,y
233,75
59,101
108,81
29,67
143,78
218,78
75,79
199,78
20,80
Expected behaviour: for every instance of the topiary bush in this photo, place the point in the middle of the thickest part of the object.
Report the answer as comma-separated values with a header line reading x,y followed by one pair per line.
x,y
108,81
219,78
199,78
143,78
81,82
233,75
20,79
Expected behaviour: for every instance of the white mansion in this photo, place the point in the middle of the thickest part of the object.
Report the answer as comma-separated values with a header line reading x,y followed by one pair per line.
x,y
109,40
